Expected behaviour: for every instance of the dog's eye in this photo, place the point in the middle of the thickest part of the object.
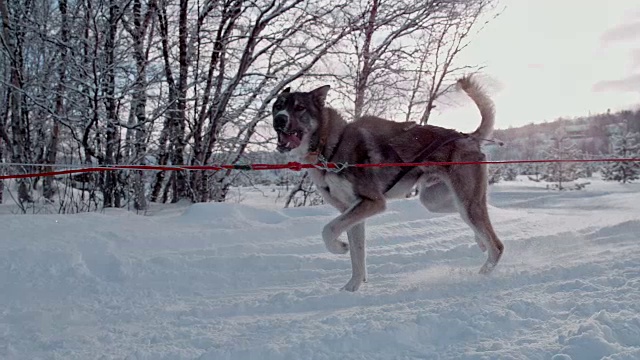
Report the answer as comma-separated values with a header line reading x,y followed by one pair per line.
x,y
299,108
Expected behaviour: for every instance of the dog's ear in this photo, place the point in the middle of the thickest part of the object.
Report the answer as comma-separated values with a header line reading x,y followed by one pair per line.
x,y
320,94
285,91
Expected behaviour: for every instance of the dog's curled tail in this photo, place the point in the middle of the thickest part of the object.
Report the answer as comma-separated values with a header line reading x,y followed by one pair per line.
x,y
484,104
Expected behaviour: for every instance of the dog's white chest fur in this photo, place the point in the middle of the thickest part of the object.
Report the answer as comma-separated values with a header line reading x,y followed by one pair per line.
x,y
338,187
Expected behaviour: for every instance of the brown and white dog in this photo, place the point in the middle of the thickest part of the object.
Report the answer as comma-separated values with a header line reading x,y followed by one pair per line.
x,y
311,131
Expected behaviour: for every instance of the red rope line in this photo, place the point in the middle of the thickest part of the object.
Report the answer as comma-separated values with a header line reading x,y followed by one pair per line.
x,y
296,166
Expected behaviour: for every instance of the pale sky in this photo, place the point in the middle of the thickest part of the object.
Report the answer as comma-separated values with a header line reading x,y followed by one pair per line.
x,y
551,58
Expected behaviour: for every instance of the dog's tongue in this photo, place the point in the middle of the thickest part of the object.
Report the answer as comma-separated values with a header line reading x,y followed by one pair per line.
x,y
290,141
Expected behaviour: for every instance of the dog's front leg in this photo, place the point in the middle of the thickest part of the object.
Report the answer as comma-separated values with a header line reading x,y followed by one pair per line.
x,y
358,257
352,219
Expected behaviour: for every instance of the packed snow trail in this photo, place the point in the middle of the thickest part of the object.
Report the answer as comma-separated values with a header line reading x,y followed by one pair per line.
x,y
243,281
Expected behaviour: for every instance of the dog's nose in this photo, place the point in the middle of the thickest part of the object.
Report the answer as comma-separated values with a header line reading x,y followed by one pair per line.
x,y
280,122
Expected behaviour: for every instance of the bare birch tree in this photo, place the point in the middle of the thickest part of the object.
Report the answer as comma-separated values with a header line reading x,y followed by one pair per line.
x,y
59,110
139,27
445,42
403,59
14,32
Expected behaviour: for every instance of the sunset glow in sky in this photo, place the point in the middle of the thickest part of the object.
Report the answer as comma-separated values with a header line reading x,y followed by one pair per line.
x,y
548,58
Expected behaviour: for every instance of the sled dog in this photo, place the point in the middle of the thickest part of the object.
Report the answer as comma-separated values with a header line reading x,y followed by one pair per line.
x,y
310,132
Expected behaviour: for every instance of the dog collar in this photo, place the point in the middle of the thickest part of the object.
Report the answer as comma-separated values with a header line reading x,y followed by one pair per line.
x,y
316,150
312,157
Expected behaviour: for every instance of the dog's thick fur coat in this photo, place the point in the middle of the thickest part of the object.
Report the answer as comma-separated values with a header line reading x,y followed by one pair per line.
x,y
311,131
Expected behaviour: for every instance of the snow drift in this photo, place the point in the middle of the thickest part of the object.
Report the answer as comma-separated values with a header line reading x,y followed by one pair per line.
x,y
243,281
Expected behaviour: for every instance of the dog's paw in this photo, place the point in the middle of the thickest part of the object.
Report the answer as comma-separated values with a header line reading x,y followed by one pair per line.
x,y
338,247
353,284
330,237
487,268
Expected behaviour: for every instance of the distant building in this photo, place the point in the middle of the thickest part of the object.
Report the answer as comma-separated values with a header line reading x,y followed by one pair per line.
x,y
615,129
576,131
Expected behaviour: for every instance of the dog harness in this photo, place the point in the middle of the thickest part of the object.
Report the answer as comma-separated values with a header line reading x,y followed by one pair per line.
x,y
424,155
421,157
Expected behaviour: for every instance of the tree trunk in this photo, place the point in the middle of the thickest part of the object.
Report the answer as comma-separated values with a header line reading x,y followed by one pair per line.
x,y
199,179
52,151
172,134
362,78
163,158
19,126
179,180
139,101
111,195
4,138
1,159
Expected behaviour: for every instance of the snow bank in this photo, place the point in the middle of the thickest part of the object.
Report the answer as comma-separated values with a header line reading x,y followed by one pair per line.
x,y
242,281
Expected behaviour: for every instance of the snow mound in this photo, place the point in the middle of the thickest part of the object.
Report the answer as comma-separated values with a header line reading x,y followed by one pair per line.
x,y
236,281
230,216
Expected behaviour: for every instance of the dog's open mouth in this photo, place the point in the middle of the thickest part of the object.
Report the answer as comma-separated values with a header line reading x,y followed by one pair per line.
x,y
289,140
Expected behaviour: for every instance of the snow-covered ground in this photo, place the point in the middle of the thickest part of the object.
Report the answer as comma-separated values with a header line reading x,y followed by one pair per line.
x,y
253,281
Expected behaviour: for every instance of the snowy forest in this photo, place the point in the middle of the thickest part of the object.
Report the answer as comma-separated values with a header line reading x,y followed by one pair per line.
x,y
601,136
189,82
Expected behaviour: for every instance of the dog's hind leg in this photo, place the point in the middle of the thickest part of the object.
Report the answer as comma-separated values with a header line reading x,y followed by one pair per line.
x,y
468,183
439,198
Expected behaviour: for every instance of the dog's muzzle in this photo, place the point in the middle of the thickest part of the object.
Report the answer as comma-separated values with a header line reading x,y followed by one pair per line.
x,y
280,122
288,141
289,135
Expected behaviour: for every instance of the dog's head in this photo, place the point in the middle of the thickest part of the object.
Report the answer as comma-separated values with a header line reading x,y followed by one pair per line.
x,y
297,116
